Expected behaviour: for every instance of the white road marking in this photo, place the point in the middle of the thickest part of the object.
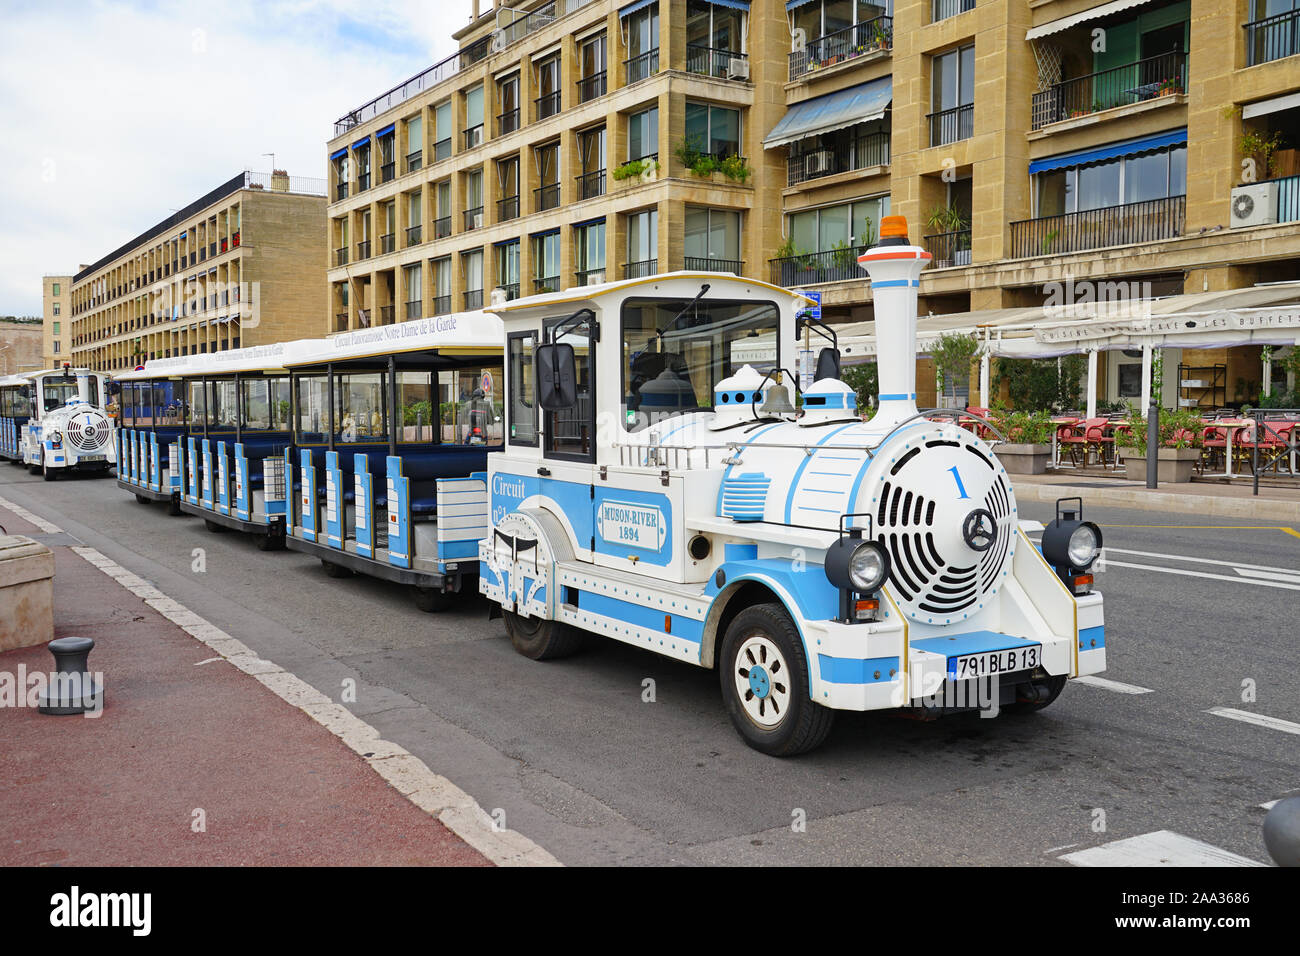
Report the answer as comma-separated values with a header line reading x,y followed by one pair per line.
x,y
1056,848
1270,805
210,660
1185,557
1114,685
1202,574
1161,848
1259,720
1269,575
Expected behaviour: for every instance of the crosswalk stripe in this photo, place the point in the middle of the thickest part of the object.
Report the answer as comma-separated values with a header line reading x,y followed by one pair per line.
x,y
1161,848
1259,720
1114,685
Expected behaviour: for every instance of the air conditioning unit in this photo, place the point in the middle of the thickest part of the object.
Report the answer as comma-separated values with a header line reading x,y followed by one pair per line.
x,y
478,220
1254,205
737,68
475,137
816,163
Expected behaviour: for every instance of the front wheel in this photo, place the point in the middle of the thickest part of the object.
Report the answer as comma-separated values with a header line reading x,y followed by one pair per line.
x,y
764,679
432,600
541,640
213,525
143,499
335,570
48,473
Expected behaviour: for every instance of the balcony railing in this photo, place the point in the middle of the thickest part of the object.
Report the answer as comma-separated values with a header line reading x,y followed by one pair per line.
x,y
413,309
511,289
507,208
719,63
590,87
414,160
341,256
340,192
950,126
943,9
641,66
363,318
546,284
386,172
546,197
1273,38
1288,199
442,149
441,304
363,250
949,249
363,182
474,218
698,264
813,268
592,184
387,243
845,156
474,299
1134,82
639,270
847,44
548,104
413,234
385,315
589,276
474,136
441,227
1147,221
508,121
340,321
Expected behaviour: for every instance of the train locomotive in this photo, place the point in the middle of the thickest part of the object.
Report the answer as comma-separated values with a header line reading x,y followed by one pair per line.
x,y
54,422
658,487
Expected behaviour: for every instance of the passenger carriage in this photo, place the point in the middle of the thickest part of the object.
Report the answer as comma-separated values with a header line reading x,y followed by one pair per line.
x,y
658,487
393,426
54,422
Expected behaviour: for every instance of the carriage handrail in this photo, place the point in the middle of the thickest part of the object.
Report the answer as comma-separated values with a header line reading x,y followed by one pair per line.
x,y
952,413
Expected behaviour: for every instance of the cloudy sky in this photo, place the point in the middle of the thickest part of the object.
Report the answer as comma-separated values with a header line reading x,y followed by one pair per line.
x,y
117,114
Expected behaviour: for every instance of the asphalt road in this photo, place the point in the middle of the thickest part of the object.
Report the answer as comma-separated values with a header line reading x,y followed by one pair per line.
x,y
581,764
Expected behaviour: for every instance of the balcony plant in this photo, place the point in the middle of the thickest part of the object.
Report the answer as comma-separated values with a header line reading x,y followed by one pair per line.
x,y
843,256
1260,147
880,37
635,169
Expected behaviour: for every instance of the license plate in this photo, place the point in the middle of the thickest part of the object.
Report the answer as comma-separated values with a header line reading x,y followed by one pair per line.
x,y
995,662
92,458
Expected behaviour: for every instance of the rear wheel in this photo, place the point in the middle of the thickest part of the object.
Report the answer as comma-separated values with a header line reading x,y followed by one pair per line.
x,y
432,600
213,525
542,640
143,499
174,506
270,542
1033,696
764,680
335,570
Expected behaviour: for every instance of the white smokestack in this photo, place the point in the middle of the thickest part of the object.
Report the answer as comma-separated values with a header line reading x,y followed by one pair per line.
x,y
895,270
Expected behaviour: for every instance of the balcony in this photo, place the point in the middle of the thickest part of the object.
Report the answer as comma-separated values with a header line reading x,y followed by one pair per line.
x,y
590,87
385,315
548,104
850,43
589,276
951,126
441,228
413,309
546,197
1272,38
507,208
474,299
387,243
1148,221
840,156
949,249
414,160
441,304
363,250
340,321
474,136
1135,82
697,264
363,318
718,63
442,149
511,289
546,284
473,218
639,270
340,192
413,235
943,9
386,172
814,268
363,181
341,256
508,122
592,184
642,66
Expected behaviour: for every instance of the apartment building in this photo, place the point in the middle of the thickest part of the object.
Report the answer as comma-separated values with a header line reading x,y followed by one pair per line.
x,y
566,142
240,266
56,294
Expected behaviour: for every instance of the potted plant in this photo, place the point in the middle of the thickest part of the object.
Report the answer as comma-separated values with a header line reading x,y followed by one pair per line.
x,y
945,220
1181,446
644,169
1028,444
1260,148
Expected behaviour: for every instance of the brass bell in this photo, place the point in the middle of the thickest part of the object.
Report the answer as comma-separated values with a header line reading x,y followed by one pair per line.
x,y
776,402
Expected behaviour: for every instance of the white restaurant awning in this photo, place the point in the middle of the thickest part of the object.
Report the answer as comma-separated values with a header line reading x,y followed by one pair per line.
x,y
1064,23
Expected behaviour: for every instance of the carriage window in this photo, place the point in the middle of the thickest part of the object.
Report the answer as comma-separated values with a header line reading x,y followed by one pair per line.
x,y
523,413
57,391
671,365
359,408
470,403
568,432
313,409
198,404
222,410
415,399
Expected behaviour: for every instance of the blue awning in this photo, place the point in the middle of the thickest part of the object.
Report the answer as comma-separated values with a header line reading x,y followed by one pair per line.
x,y
796,3
361,142
589,222
824,114
732,4
635,6
544,233
339,153
1128,147
386,130
507,242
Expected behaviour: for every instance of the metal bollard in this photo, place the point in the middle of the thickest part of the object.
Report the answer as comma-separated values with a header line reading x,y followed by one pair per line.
x,y
1282,832
1153,441
72,690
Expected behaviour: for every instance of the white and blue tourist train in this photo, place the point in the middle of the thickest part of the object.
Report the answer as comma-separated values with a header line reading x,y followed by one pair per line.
x,y
658,487
55,422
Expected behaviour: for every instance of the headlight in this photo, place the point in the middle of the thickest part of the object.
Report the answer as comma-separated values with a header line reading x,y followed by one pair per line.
x,y
867,567
56,437
1070,544
1083,546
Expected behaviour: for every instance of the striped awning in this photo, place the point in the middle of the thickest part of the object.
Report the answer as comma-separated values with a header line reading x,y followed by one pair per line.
x,y
824,114
1128,147
1064,23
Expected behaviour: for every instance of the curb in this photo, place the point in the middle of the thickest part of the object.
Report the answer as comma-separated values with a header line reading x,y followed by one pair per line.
x,y
1270,510
406,773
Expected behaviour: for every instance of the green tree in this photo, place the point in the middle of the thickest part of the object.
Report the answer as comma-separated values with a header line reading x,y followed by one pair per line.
x,y
1041,384
864,379
952,355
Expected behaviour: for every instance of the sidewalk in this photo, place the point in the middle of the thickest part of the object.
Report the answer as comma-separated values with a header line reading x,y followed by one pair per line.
x,y
1275,505
186,733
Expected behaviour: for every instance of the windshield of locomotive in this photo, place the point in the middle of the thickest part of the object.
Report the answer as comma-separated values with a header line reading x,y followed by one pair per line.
x,y
675,352
57,390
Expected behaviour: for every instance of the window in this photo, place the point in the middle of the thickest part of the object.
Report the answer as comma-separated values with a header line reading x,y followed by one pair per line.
x,y
359,408
414,217
265,403
713,129
414,142
442,209
642,243
440,272
508,97
1158,174
508,268
568,432
672,362
712,238
414,292
642,31
546,262
442,131
522,412
589,252
56,346
591,64
473,199
473,117
57,310
548,87
548,176
823,17
591,150
714,37
415,404
56,289
643,134
56,324
470,415
471,267
952,96
362,156
508,181
387,168
852,225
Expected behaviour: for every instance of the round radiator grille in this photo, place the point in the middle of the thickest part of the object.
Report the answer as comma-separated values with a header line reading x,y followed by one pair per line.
x,y
925,494
87,431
